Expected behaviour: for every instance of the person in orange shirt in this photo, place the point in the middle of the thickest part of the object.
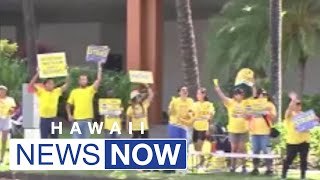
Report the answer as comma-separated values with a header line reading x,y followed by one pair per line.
x,y
260,128
237,123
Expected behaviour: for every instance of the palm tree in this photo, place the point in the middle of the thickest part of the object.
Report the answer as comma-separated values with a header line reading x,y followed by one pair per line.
x,y
275,53
30,34
187,45
241,36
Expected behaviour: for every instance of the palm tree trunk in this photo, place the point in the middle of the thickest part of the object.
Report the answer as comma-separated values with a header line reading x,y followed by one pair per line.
x,y
302,69
30,30
276,62
188,50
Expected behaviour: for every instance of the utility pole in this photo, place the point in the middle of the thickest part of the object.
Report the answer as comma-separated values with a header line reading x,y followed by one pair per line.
x,y
30,35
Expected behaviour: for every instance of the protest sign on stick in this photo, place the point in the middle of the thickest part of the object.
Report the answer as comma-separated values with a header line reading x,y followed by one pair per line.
x,y
97,53
52,65
143,77
305,121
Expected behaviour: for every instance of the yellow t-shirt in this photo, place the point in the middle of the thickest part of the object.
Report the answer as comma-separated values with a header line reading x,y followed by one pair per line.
x,y
48,101
180,108
82,100
258,125
6,104
236,111
139,114
202,112
293,136
108,122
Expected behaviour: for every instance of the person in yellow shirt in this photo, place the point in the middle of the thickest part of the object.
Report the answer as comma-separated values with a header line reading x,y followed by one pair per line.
x,y
137,112
81,99
113,119
237,123
202,112
180,116
260,127
297,142
7,105
48,98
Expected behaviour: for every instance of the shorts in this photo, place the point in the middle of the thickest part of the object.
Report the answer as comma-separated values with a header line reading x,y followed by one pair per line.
x,y
4,124
198,135
236,138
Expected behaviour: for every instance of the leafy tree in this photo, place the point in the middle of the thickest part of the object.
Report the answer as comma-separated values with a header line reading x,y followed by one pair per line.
x,y
240,36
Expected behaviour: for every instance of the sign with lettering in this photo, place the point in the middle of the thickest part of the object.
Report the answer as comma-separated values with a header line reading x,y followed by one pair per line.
x,y
305,121
52,65
143,77
110,106
256,107
97,53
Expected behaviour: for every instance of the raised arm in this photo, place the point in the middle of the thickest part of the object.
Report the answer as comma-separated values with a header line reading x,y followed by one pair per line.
x,y
218,90
65,86
221,95
150,93
97,82
34,80
294,97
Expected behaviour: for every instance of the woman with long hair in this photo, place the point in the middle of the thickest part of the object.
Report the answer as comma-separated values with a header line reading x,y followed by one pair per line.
x,y
237,123
179,112
260,127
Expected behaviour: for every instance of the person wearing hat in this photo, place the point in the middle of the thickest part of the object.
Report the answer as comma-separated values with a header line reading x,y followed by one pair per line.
x,y
7,105
48,97
237,123
260,124
137,112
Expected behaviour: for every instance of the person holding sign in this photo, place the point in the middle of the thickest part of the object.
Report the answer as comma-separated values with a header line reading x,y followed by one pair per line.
x,y
237,123
137,112
180,115
297,142
7,105
81,99
263,112
112,120
48,97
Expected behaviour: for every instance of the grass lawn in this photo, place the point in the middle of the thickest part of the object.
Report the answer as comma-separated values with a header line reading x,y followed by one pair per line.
x,y
294,175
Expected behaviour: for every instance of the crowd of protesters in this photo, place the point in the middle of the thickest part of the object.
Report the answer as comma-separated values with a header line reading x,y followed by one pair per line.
x,y
188,118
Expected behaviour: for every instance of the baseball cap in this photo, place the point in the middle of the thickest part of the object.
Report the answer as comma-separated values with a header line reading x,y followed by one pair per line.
x,y
134,94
